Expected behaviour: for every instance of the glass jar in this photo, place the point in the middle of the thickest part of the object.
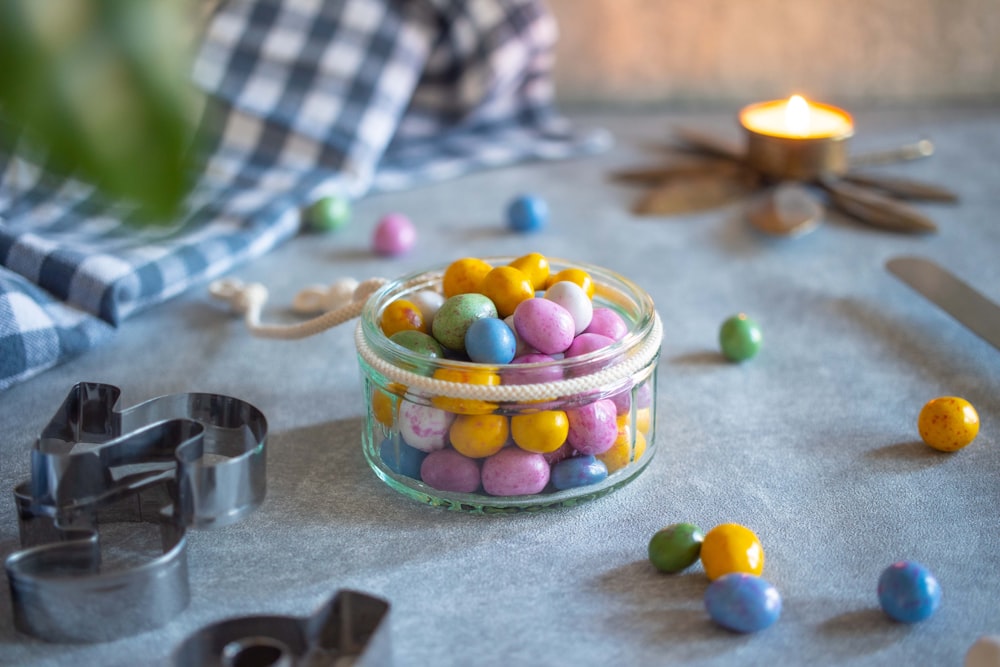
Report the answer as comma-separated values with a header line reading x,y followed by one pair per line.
x,y
525,430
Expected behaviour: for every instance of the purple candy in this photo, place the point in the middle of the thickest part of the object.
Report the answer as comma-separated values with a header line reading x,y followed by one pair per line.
x,y
586,343
394,235
607,322
593,428
544,325
515,472
447,470
535,375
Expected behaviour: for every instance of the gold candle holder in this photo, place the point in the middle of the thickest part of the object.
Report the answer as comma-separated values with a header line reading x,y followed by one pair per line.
x,y
797,140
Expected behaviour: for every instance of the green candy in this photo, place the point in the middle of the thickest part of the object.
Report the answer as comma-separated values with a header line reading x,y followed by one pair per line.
x,y
328,214
675,547
739,338
418,342
456,315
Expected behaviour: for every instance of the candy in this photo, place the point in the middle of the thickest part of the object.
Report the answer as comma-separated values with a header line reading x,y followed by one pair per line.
x,y
527,213
675,547
382,407
578,276
739,338
578,471
478,436
533,373
463,276
742,602
428,301
729,548
571,296
908,592
593,428
401,315
418,342
948,423
541,432
424,427
490,341
985,652
534,265
328,214
586,343
544,325
515,472
394,235
506,287
465,406
456,315
620,454
447,470
400,458
607,322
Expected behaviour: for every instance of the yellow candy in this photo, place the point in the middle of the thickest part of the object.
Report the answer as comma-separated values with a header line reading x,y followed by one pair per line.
x,y
402,315
506,287
478,436
534,265
948,423
578,276
643,420
383,408
619,454
463,276
465,406
540,432
731,547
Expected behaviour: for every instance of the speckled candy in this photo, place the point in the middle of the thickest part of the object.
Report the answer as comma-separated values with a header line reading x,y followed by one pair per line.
x,y
593,428
572,297
908,592
948,423
418,342
544,325
400,458
607,322
586,343
578,471
394,235
742,602
428,301
447,470
456,315
676,547
533,374
490,341
424,427
515,472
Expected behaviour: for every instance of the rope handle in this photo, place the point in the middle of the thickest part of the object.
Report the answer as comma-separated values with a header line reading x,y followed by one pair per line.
x,y
340,302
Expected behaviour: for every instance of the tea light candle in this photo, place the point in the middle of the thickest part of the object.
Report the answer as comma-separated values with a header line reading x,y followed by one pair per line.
x,y
796,139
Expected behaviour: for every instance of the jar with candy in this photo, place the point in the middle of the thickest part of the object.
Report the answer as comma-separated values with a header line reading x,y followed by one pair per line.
x,y
503,384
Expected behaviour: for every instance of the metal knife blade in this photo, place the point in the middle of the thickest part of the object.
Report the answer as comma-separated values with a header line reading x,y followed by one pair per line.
x,y
956,297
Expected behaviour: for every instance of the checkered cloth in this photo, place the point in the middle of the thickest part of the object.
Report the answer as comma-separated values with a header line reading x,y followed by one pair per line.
x,y
307,98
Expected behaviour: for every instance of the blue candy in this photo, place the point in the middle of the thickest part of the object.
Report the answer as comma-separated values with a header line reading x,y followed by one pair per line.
x,y
401,458
742,602
908,592
527,213
578,471
490,341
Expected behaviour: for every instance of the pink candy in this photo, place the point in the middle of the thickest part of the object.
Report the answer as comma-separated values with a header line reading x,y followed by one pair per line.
x,y
515,472
593,428
544,325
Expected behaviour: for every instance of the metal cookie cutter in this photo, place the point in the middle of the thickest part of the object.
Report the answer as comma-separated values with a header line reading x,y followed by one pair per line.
x,y
347,630
172,462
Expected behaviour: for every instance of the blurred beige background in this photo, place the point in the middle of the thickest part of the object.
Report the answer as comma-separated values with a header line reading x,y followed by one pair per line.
x,y
687,53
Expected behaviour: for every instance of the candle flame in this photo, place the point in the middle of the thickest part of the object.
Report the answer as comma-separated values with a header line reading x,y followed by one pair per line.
x,y
797,115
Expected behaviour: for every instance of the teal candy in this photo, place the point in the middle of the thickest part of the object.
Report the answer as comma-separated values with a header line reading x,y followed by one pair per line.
x,y
328,214
739,338
455,317
418,342
675,547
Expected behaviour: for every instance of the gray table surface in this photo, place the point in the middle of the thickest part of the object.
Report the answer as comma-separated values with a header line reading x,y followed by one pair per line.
x,y
813,444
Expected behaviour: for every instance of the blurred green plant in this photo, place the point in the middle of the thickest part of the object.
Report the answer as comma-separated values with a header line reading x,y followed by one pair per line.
x,y
101,88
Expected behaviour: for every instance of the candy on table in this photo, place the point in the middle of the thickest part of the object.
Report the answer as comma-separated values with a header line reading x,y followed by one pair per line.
x,y
948,423
739,338
742,602
676,547
985,652
908,592
527,213
515,472
328,214
577,471
731,547
394,235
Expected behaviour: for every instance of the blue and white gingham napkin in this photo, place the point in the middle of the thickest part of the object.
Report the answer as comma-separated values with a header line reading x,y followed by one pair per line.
x,y
306,98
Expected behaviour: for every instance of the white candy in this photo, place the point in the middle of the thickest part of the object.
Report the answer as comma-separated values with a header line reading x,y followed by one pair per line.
x,y
571,296
428,302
